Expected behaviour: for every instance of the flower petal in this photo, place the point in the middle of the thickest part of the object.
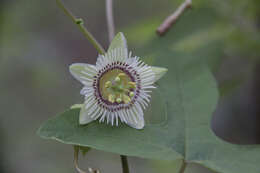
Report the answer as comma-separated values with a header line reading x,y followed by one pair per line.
x,y
135,117
83,72
138,125
84,116
159,72
119,42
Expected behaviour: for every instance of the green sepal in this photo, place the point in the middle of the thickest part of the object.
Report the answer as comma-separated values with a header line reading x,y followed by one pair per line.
x,y
76,106
159,72
119,42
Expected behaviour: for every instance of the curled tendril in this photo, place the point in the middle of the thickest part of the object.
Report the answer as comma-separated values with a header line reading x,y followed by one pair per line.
x,y
76,164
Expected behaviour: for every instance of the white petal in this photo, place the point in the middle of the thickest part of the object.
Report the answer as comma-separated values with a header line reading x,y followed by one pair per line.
x,y
117,54
83,72
159,72
119,42
102,61
84,117
138,114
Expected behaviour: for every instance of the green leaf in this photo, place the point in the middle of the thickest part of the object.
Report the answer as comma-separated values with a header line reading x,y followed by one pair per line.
x,y
152,142
196,97
166,166
228,86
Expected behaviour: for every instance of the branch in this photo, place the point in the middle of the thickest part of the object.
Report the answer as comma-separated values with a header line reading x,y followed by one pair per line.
x,y
170,20
80,24
110,19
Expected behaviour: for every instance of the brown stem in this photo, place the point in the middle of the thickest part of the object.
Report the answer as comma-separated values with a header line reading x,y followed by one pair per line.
x,y
170,20
183,166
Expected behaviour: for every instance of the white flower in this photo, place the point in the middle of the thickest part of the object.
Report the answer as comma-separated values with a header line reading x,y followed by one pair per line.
x,y
117,88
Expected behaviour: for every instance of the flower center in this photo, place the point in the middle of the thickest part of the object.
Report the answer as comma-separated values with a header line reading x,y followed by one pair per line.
x,y
117,87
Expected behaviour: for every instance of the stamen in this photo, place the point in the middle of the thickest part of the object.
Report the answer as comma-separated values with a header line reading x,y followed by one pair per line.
x,y
111,98
119,88
117,79
118,100
132,85
131,94
108,84
126,99
121,75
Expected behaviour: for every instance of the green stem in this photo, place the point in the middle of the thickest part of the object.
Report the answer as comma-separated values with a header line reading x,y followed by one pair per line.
x,y
80,24
124,164
76,158
183,166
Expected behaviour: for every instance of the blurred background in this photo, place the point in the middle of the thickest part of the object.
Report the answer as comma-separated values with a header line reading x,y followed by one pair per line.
x,y
38,43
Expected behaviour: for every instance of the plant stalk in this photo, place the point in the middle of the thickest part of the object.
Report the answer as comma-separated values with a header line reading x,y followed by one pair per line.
x,y
76,158
110,19
124,164
183,166
83,29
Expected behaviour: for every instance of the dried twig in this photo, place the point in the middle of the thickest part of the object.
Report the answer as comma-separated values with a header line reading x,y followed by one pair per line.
x,y
110,19
170,20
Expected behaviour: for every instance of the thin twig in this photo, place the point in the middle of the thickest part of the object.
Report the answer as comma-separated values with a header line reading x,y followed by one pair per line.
x,y
110,19
170,20
80,24
124,164
183,166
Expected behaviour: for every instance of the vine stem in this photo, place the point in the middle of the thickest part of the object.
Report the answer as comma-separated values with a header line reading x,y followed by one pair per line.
x,y
111,34
170,20
183,167
110,19
79,22
76,158
124,164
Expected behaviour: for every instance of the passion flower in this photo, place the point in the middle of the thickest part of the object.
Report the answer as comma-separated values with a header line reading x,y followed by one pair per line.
x,y
117,88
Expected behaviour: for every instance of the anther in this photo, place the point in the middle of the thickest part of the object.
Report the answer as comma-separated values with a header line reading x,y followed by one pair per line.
x,y
121,75
111,98
117,79
131,94
108,84
126,99
132,85
118,100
